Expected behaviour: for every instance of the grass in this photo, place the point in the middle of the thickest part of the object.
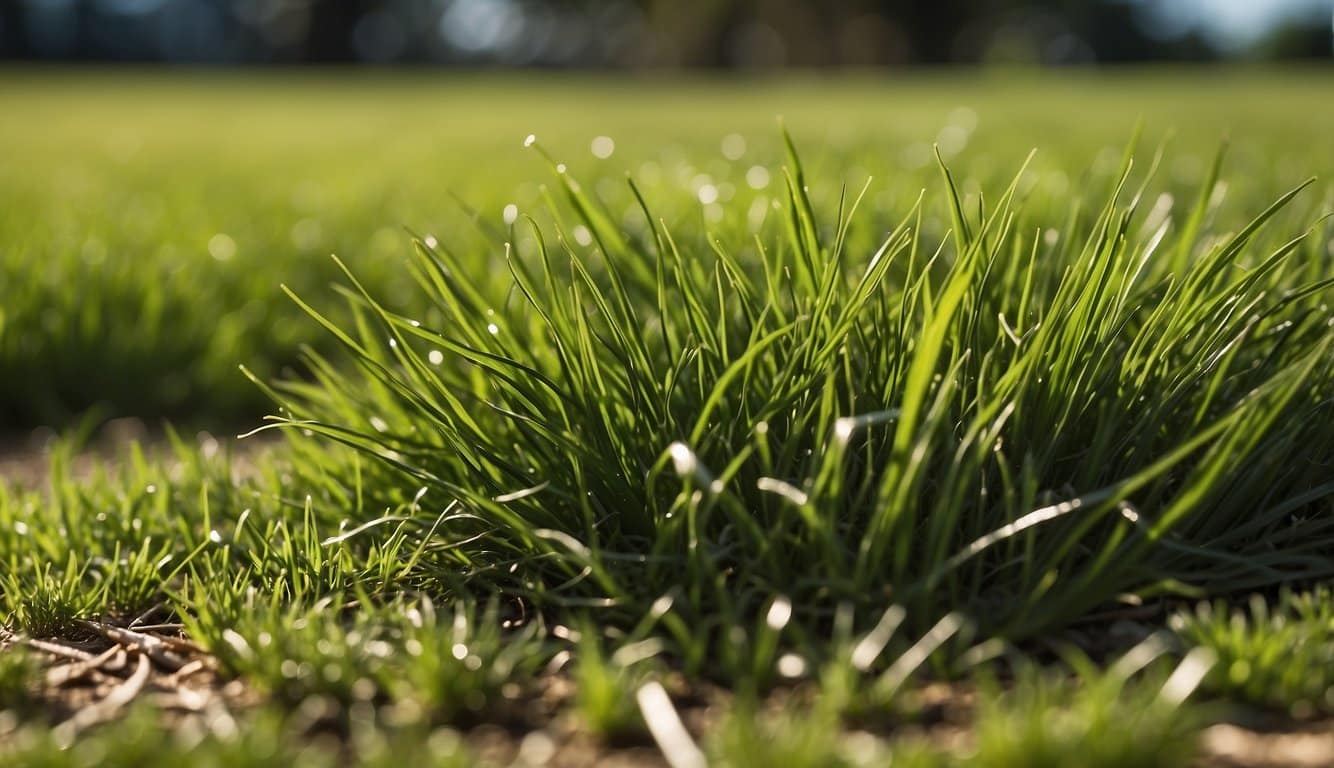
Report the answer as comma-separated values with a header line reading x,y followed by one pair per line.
x,y
946,423
781,450
1275,656
180,201
268,739
16,676
1044,721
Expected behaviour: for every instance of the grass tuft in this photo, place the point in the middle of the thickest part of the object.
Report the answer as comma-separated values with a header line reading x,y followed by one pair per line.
x,y
1014,422
1277,654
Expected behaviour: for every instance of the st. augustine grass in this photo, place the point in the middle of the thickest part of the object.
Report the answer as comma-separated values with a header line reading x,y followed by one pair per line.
x,y
806,442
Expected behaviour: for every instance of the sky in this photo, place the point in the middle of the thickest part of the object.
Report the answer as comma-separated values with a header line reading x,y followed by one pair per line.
x,y
1232,23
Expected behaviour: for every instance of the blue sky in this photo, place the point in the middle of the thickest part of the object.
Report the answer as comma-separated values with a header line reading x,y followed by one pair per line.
x,y
1232,22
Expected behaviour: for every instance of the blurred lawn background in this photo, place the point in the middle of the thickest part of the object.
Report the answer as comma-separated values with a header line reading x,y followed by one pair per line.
x,y
147,218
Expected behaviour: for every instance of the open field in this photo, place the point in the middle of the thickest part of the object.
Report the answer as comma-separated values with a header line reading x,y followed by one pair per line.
x,y
884,442
125,181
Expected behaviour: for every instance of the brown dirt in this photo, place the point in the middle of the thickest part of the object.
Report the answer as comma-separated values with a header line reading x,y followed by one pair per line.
x,y
1295,745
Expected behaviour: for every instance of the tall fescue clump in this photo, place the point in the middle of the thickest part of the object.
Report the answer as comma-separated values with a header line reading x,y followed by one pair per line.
x,y
1010,420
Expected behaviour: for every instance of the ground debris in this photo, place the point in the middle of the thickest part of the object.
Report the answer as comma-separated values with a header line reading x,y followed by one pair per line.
x,y
92,679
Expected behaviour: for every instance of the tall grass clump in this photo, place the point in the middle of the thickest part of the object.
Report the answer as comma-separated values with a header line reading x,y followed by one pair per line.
x,y
1017,420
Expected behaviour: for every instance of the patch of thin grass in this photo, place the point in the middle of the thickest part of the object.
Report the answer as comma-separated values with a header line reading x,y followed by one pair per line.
x,y
1005,421
1276,654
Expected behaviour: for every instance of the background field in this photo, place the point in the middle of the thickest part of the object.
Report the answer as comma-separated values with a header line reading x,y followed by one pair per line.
x,y
114,186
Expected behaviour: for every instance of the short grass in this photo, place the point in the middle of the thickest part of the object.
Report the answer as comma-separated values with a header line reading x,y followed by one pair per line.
x,y
1275,654
761,425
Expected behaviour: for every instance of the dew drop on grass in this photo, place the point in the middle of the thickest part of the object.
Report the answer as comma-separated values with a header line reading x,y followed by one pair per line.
x,y
459,651
790,665
650,173
430,241
951,140
221,247
916,155
755,216
536,748
602,147
435,356
560,167
582,235
964,117
530,141
307,234
734,146
780,613
493,328
511,213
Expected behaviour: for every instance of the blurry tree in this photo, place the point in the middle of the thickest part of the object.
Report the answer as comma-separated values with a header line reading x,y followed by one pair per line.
x,y
332,27
1295,40
612,33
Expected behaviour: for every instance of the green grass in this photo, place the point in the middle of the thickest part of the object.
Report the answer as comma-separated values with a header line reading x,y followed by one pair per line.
x,y
124,180
942,422
17,675
266,739
1277,655
807,442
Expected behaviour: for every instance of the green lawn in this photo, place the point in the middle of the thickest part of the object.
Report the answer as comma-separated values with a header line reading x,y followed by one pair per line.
x,y
662,414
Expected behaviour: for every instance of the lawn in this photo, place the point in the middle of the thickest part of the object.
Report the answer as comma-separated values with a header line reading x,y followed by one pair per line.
x,y
950,418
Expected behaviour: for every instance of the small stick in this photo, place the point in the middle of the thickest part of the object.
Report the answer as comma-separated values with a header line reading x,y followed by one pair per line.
x,y
61,675
107,708
59,649
152,646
